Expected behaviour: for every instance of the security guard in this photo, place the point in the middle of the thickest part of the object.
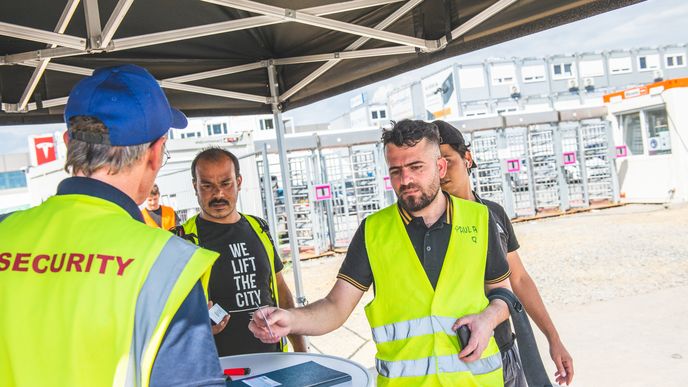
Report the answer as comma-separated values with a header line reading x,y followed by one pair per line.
x,y
248,273
159,215
90,295
431,257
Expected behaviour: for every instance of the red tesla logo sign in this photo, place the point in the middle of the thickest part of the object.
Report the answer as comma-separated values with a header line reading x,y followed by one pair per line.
x,y
44,149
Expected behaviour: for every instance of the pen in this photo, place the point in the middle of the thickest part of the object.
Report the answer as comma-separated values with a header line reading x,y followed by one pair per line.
x,y
237,371
266,322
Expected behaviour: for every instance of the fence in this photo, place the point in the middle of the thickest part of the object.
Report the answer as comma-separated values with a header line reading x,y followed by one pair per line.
x,y
527,169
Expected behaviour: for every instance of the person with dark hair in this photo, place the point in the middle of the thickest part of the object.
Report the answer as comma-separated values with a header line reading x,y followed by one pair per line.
x,y
431,259
457,182
248,274
119,303
159,215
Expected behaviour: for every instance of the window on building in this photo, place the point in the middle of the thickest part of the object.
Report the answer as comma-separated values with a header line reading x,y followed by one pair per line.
x,y
475,113
383,114
503,74
591,68
620,65
533,73
562,70
648,62
471,77
374,114
675,60
219,128
267,124
658,140
632,133
13,179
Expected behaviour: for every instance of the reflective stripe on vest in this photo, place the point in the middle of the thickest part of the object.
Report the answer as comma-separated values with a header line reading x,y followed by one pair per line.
x,y
161,280
434,364
418,327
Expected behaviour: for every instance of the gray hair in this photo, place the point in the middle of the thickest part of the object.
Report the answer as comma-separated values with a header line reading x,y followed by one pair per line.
x,y
87,158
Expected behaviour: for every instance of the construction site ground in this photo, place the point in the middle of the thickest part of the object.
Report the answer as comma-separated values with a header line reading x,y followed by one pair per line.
x,y
615,281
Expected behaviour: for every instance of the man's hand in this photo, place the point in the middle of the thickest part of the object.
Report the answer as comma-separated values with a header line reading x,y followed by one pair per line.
x,y
219,327
563,361
270,324
481,327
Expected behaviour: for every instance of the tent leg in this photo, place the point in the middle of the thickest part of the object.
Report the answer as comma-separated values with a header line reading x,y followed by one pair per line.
x,y
286,183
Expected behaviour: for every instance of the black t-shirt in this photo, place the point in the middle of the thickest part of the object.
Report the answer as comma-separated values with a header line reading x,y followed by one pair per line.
x,y
507,238
239,281
430,244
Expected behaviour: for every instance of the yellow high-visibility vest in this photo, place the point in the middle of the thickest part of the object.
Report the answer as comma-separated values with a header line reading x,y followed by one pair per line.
x,y
191,228
87,293
411,321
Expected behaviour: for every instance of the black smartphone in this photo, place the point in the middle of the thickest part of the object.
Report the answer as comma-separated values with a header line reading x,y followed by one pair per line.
x,y
464,335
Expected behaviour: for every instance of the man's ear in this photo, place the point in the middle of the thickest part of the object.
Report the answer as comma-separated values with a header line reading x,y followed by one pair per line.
x,y
239,181
469,159
442,166
155,153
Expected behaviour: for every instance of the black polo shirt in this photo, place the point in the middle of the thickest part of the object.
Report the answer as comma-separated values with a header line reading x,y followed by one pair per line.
x,y
430,244
507,238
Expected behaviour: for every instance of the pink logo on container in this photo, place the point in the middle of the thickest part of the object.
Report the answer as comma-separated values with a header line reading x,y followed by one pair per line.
x,y
513,165
323,192
569,158
621,151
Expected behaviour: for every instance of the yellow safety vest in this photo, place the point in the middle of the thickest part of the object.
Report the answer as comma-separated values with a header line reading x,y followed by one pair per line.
x,y
190,228
411,321
87,293
167,219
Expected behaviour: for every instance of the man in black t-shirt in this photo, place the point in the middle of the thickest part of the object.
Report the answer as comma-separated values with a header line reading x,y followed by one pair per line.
x,y
248,271
457,182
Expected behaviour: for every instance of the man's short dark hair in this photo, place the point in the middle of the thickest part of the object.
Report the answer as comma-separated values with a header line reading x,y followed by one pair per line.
x,y
411,132
214,154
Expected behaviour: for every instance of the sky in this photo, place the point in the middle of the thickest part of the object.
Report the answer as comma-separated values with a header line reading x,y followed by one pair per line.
x,y
648,24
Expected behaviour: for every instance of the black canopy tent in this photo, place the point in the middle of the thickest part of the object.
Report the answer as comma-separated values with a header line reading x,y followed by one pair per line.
x,y
213,55
231,57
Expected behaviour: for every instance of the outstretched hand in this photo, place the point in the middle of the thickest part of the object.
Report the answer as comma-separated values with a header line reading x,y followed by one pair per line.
x,y
270,324
219,327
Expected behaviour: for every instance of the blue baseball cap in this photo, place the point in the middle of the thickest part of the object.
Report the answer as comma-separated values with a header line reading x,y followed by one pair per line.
x,y
129,101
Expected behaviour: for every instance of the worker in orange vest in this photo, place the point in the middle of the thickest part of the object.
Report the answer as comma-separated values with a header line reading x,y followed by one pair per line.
x,y
157,215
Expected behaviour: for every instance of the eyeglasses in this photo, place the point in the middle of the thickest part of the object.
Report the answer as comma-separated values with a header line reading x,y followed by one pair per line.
x,y
165,156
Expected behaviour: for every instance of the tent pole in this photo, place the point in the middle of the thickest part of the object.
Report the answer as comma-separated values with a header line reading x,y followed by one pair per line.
x,y
286,183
